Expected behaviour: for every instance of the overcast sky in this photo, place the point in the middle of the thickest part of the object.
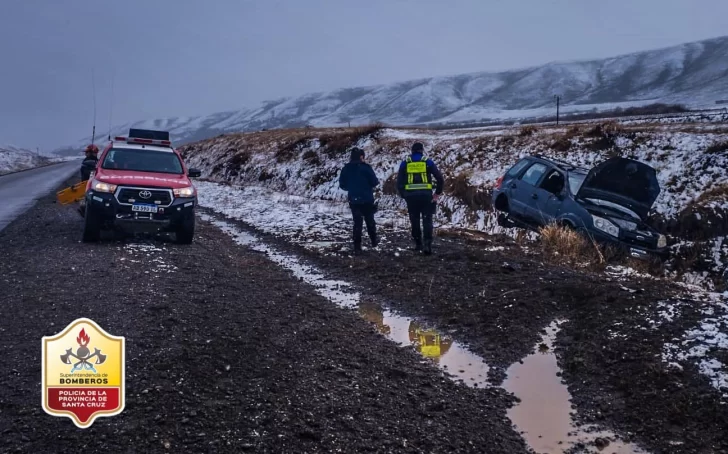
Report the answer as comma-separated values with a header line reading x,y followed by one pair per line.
x,y
189,57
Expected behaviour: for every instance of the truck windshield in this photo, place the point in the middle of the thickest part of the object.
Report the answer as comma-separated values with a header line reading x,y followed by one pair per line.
x,y
142,160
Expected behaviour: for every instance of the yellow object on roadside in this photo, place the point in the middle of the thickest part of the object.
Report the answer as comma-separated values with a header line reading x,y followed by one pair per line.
x,y
73,194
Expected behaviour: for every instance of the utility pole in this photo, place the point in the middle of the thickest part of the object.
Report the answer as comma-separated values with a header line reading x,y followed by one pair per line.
x,y
558,99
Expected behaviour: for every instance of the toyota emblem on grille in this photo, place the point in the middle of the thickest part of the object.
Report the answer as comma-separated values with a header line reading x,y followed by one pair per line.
x,y
145,194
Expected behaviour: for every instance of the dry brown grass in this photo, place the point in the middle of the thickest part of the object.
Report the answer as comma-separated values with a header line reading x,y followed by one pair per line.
x,y
311,157
569,247
390,185
717,193
562,144
238,159
338,142
476,198
572,131
716,148
323,177
527,131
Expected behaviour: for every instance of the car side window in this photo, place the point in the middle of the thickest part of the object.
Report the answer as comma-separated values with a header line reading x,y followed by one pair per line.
x,y
554,182
533,174
516,169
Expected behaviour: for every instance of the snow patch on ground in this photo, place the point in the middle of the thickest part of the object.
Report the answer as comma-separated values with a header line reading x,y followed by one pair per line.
x,y
302,221
142,253
705,346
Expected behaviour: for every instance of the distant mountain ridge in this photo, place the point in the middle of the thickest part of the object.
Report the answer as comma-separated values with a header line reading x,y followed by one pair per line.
x,y
693,74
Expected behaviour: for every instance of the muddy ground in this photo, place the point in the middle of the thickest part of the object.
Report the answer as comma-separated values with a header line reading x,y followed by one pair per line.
x,y
225,353
498,302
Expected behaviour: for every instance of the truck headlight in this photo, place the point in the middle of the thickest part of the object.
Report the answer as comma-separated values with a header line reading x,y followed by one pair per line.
x,y
605,226
100,186
189,191
662,241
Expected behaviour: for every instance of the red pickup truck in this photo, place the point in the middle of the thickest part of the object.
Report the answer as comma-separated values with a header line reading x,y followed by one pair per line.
x,y
141,185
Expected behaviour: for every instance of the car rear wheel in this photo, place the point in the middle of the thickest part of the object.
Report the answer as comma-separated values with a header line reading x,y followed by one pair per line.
x,y
91,227
501,203
505,221
186,231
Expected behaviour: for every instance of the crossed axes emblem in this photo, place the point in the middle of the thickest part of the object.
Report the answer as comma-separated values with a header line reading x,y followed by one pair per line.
x,y
84,361
82,355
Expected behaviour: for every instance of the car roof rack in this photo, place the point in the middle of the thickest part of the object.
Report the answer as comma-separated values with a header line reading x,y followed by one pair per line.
x,y
148,134
564,164
146,137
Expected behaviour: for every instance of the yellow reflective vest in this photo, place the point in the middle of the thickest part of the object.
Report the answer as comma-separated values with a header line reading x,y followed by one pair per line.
x,y
417,178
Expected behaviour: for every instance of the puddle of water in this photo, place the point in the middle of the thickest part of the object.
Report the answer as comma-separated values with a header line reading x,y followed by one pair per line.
x,y
544,414
441,349
447,354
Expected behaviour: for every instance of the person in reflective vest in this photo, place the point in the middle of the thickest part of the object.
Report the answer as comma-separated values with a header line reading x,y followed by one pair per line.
x,y
415,185
358,179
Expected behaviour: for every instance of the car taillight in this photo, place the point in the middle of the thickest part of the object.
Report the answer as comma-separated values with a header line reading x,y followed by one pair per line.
x,y
498,182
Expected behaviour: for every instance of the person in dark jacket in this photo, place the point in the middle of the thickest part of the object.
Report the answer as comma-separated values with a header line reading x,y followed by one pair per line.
x,y
414,183
358,179
89,162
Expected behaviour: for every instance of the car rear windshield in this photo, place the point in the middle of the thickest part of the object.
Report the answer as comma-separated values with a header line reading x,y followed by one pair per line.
x,y
142,160
516,169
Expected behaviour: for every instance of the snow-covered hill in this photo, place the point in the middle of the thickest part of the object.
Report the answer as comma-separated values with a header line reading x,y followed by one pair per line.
x,y
13,158
694,74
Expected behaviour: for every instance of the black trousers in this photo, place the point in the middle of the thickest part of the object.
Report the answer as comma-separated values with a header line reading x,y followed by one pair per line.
x,y
363,213
421,209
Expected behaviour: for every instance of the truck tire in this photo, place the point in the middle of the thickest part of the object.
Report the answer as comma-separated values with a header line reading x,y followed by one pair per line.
x,y
186,231
91,227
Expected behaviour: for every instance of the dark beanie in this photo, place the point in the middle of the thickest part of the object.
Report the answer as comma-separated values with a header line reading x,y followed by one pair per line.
x,y
356,154
418,147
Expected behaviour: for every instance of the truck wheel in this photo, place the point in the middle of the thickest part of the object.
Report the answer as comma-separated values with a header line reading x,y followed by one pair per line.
x,y
91,227
186,231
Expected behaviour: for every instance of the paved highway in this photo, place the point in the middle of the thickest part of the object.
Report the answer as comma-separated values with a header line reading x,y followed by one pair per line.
x,y
20,190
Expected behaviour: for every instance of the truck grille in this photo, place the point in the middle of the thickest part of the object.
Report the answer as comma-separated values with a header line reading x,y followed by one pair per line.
x,y
128,196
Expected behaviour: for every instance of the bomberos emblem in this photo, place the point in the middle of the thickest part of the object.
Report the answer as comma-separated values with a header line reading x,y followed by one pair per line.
x,y
83,373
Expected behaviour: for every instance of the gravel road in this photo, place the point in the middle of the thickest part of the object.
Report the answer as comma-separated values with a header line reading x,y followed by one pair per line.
x,y
226,352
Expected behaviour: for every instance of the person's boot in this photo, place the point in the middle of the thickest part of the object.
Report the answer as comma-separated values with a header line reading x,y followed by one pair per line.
x,y
375,241
427,249
357,249
417,246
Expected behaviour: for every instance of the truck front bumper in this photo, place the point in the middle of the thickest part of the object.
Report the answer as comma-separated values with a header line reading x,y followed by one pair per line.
x,y
115,215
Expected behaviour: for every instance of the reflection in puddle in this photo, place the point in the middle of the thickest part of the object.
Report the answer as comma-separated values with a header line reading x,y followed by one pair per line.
x,y
544,414
439,348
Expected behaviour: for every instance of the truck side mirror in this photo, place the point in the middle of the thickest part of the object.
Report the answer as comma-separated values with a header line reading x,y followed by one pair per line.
x,y
194,173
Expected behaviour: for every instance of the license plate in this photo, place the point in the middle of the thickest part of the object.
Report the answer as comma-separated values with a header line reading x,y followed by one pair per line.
x,y
145,208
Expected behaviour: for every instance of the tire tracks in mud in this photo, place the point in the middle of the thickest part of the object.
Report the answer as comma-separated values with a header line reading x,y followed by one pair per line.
x,y
500,304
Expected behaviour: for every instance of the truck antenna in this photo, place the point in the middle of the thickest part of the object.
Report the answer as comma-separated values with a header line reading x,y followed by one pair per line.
x,y
111,104
93,84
